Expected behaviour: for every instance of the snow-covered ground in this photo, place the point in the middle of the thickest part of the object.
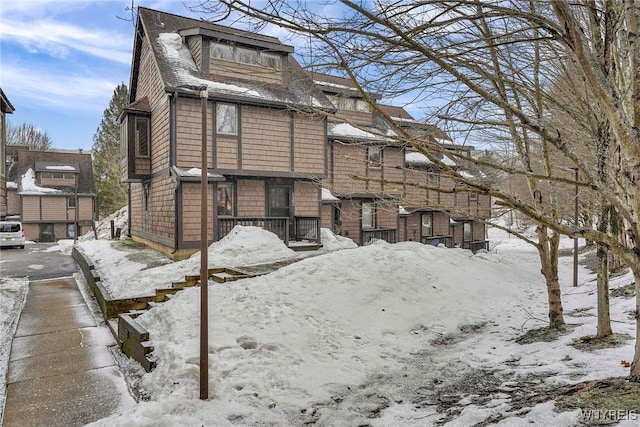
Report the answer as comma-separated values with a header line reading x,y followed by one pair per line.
x,y
383,335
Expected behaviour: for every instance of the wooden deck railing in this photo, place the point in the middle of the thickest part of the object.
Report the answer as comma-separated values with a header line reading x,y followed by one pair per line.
x,y
438,240
305,228
371,235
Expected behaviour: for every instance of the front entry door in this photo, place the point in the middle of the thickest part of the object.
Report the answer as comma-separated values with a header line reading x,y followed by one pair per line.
x,y
280,207
46,233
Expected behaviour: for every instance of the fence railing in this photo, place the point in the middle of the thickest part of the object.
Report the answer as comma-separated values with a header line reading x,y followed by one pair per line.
x,y
305,228
438,240
371,235
479,244
278,226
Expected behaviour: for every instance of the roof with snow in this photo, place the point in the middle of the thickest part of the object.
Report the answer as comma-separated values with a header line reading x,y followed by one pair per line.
x,y
179,72
24,164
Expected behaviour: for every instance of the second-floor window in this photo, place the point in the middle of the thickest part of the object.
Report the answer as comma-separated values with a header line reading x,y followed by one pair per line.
x,y
245,55
71,202
227,119
142,136
374,157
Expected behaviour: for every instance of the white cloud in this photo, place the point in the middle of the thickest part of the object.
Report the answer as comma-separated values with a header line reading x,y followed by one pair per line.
x,y
71,91
59,39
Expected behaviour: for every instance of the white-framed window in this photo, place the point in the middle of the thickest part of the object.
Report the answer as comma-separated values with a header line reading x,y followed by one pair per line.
x,y
225,199
227,119
221,51
374,156
368,215
427,224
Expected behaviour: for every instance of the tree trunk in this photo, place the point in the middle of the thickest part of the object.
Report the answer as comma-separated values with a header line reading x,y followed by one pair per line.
x,y
604,318
548,252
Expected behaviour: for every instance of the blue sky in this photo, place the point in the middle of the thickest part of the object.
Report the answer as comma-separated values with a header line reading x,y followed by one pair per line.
x,y
62,59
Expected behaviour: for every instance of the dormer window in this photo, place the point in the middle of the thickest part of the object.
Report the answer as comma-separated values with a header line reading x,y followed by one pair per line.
x,y
245,55
349,103
222,51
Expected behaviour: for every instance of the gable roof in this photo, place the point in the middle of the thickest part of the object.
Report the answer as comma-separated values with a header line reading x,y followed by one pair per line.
x,y
5,105
23,160
180,73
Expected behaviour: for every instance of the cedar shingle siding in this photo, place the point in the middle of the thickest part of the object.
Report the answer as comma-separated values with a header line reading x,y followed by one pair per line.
x,y
284,148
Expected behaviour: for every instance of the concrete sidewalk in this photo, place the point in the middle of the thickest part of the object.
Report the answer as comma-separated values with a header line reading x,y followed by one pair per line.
x,y
61,372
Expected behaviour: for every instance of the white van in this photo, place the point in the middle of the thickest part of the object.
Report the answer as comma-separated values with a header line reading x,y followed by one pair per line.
x,y
11,234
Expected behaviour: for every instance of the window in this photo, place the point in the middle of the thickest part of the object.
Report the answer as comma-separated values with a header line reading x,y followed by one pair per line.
x,y
222,51
433,180
467,232
227,119
71,230
270,60
146,190
363,106
71,202
473,198
142,136
427,224
368,215
374,157
225,199
57,175
246,56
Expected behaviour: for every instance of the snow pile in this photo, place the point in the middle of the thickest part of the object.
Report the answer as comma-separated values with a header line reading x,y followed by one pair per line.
x,y
129,272
333,242
120,220
244,246
13,292
321,339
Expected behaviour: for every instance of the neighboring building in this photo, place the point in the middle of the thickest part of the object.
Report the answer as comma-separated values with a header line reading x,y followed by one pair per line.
x,y
283,146
360,143
265,145
5,108
429,215
51,192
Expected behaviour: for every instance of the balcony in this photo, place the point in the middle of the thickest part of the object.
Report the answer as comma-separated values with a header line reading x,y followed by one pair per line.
x,y
304,229
370,235
447,241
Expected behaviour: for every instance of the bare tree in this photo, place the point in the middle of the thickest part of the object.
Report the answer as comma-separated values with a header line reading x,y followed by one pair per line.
x,y
494,64
29,135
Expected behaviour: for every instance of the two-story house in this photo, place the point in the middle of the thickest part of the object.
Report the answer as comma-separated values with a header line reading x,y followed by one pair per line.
x,y
370,168
52,192
437,210
5,108
265,142
362,152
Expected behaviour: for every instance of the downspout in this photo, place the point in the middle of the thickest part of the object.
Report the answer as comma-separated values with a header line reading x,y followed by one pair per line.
x,y
129,209
172,161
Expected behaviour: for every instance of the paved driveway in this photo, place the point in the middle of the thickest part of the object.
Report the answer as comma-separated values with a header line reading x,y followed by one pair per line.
x,y
36,262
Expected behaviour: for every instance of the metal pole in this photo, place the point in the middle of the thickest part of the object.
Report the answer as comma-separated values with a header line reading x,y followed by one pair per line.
x,y
204,267
575,240
75,225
